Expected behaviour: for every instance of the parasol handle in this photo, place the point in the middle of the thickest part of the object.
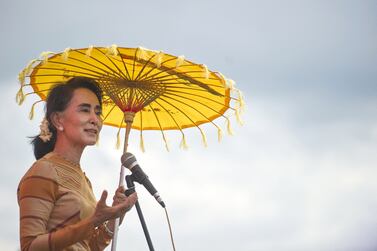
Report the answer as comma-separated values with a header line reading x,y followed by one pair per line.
x,y
128,117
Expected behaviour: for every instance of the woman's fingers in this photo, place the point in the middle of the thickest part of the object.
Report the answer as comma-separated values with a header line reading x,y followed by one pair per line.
x,y
121,190
127,203
121,205
119,195
102,200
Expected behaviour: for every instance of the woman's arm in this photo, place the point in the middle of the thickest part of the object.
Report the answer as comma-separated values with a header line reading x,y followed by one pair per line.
x,y
121,204
36,196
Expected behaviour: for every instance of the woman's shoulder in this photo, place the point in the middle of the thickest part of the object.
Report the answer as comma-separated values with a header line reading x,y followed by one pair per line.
x,y
39,181
42,168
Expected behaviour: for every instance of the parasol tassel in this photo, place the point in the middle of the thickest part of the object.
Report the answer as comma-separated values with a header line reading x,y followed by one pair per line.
x,y
159,59
238,117
230,83
142,53
65,54
206,71
112,50
180,61
229,128
166,142
219,134
142,148
44,56
117,146
25,72
21,77
29,67
20,97
88,52
204,138
241,101
31,113
183,143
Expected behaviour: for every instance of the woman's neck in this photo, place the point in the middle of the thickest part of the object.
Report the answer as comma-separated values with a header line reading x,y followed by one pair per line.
x,y
69,152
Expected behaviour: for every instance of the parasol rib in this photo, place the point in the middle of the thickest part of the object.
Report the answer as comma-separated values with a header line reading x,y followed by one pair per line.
x,y
112,108
143,77
63,70
207,99
208,120
205,105
159,125
111,60
124,64
86,63
142,69
105,65
171,116
106,69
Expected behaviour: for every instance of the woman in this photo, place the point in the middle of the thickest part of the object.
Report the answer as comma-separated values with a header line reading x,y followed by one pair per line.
x,y
58,210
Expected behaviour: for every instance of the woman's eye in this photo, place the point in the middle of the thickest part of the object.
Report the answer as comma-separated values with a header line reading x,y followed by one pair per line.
x,y
85,110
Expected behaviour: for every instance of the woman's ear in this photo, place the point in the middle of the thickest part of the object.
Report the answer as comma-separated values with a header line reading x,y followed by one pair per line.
x,y
56,119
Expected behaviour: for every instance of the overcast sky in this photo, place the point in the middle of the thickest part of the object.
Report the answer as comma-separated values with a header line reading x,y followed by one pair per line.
x,y
299,175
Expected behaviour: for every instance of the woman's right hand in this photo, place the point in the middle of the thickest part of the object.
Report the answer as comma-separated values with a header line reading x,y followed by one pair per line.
x,y
104,213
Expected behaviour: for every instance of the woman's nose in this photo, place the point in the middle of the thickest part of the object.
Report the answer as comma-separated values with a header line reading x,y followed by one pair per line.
x,y
94,118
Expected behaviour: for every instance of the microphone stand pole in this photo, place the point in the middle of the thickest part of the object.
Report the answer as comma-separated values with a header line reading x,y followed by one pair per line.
x,y
130,190
128,118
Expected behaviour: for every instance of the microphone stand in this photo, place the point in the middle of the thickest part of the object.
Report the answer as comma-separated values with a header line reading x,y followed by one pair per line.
x,y
130,190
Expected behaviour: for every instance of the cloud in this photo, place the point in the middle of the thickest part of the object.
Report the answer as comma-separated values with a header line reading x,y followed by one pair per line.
x,y
299,175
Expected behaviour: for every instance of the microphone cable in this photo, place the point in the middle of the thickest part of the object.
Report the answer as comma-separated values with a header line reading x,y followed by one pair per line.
x,y
170,231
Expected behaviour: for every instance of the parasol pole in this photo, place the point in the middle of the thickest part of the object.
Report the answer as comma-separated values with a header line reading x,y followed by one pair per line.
x,y
128,118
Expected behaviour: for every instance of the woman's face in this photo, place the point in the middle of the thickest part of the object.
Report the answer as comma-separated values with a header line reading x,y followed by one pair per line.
x,y
81,120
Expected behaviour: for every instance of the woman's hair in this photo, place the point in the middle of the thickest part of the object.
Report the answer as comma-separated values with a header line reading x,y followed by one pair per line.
x,y
57,101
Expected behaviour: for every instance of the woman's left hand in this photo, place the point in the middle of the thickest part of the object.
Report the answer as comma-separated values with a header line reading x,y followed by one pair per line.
x,y
120,197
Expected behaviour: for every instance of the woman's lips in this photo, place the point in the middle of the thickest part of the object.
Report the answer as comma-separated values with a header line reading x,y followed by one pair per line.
x,y
93,131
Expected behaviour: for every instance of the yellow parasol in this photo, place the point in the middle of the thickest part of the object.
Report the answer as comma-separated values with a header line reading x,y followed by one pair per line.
x,y
162,91
143,89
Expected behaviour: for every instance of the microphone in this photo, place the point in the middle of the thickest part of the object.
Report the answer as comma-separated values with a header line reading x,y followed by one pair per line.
x,y
129,161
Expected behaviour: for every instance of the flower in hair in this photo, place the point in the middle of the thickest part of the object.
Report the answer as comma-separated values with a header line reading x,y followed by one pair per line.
x,y
45,133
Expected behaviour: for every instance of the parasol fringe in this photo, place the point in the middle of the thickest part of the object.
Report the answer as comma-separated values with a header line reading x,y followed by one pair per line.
x,y
159,59
65,54
180,61
166,141
238,117
229,83
21,77
222,78
117,146
206,71
241,101
183,143
88,52
228,126
112,50
204,138
142,148
25,72
142,53
20,96
31,113
44,56
29,67
219,134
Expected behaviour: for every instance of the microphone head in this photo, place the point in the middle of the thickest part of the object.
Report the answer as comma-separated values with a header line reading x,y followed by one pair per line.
x,y
123,158
128,160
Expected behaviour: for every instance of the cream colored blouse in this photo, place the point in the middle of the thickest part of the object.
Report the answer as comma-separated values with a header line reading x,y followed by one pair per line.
x,y
56,200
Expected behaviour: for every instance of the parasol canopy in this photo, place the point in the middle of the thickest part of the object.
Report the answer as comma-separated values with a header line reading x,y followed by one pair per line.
x,y
161,91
